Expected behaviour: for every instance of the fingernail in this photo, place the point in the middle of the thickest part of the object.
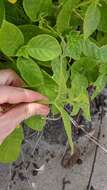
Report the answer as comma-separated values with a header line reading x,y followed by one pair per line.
x,y
45,111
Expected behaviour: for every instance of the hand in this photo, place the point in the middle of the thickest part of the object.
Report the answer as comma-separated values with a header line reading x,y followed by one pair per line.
x,y
16,103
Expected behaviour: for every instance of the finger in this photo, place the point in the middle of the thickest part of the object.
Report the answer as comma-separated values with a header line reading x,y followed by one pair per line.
x,y
10,78
17,115
14,95
22,112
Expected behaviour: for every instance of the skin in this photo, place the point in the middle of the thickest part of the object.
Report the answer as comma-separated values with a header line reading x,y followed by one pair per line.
x,y
17,103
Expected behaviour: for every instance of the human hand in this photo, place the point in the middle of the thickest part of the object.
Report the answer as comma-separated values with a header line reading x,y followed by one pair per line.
x,y
16,103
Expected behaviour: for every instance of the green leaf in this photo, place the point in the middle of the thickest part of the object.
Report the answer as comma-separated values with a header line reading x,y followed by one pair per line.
x,y
74,48
90,49
29,31
87,67
36,123
76,45
91,20
22,52
56,69
2,12
67,126
62,90
37,79
49,88
54,110
103,21
64,16
44,47
10,148
78,95
30,71
11,38
34,8
103,54
105,1
14,13
99,84
103,69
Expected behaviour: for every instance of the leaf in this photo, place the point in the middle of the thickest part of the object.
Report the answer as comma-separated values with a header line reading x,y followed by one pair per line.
x,y
103,21
44,47
91,20
90,49
103,69
22,52
12,1
29,31
30,71
62,90
49,88
67,126
11,38
78,95
36,123
36,78
99,84
2,12
103,54
34,8
56,69
14,13
79,46
10,148
74,48
87,67
105,1
64,16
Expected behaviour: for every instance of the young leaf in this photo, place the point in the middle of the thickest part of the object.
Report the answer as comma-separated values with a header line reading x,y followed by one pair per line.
x,y
67,126
11,38
49,88
64,16
44,47
99,84
91,20
2,12
34,8
62,90
30,71
90,49
36,123
87,67
10,149
74,48
56,69
103,54
103,69
78,95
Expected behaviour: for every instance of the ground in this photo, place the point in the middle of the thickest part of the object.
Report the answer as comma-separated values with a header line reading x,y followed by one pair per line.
x,y
44,170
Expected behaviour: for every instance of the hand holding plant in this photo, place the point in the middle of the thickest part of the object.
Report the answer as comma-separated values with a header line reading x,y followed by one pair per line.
x,y
16,103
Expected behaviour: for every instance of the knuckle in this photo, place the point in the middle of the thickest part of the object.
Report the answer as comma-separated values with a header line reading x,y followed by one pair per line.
x,y
27,110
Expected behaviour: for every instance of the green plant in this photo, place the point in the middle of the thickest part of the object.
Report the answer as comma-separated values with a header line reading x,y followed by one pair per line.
x,y
63,43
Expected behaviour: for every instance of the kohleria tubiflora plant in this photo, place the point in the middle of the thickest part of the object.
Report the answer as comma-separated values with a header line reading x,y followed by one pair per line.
x,y
59,48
